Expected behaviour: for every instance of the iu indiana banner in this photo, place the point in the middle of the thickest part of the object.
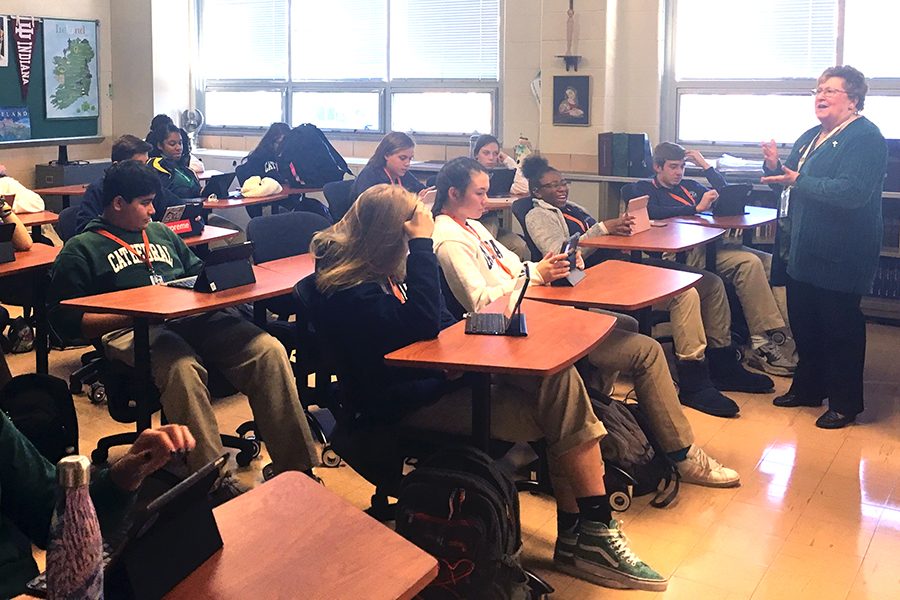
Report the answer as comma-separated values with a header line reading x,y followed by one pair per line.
x,y
24,33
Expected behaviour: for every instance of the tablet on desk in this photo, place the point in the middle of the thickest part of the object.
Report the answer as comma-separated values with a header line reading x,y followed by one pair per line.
x,y
732,200
637,208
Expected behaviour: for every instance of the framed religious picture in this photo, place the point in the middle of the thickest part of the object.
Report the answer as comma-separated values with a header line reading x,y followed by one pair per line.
x,y
572,100
70,69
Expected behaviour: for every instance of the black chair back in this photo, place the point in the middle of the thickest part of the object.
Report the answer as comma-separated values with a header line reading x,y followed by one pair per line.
x,y
339,196
628,191
68,221
283,234
521,208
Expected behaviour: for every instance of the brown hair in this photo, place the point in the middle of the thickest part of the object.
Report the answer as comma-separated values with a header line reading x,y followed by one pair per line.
x,y
368,244
854,82
667,151
389,144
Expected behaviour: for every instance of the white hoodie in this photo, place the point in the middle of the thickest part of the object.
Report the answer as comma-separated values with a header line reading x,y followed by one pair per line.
x,y
26,200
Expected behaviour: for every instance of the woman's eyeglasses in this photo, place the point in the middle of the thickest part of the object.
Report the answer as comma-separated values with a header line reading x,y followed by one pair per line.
x,y
555,185
827,92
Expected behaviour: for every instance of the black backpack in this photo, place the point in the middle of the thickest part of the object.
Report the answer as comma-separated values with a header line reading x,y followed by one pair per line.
x,y
309,160
42,408
460,508
630,451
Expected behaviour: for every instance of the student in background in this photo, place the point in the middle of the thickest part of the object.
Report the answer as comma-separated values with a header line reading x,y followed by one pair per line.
x,y
109,256
390,164
188,160
169,166
479,270
701,331
16,289
487,153
263,161
26,201
126,147
379,291
747,269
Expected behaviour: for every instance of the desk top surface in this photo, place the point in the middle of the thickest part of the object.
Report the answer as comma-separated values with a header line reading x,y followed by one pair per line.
x,y
753,216
673,237
210,233
43,217
618,285
64,190
557,337
296,266
293,538
162,302
40,255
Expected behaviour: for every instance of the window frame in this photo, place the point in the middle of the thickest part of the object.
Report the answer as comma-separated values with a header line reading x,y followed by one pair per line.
x,y
385,89
673,90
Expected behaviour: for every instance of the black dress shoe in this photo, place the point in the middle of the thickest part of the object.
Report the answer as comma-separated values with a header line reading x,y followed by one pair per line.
x,y
791,400
834,420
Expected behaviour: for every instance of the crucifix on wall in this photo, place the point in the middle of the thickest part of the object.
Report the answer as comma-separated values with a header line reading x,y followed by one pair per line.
x,y
570,59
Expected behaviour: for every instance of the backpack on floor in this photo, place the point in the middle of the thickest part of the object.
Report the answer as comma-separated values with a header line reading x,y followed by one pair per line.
x,y
42,408
309,160
630,447
460,508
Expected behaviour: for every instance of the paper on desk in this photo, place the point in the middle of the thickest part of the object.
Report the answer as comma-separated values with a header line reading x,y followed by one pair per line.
x,y
728,162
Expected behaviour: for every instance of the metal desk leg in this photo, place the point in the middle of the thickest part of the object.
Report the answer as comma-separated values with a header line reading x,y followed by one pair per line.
x,y
66,201
645,326
711,257
637,256
142,368
747,236
41,350
481,411
260,314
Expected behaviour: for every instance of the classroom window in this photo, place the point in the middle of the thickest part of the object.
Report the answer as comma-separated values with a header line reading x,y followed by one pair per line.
x,y
355,65
739,72
225,109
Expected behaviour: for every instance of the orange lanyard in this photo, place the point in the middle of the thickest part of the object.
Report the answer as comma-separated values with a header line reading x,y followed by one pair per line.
x,y
397,290
391,179
690,202
578,222
487,248
144,259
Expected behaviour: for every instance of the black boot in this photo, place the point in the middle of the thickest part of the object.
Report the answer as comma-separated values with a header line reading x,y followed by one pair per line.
x,y
729,375
697,391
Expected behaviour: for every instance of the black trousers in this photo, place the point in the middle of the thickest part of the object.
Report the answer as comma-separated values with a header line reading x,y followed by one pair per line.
x,y
830,333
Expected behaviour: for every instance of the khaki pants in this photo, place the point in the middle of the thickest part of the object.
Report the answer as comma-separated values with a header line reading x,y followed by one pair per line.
x,y
524,409
250,359
687,325
643,359
747,270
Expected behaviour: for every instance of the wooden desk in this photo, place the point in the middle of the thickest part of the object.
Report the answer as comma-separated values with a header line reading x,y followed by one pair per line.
x,y
159,303
36,219
208,174
66,191
557,337
502,202
293,538
753,217
35,262
222,203
209,234
674,237
618,285
296,266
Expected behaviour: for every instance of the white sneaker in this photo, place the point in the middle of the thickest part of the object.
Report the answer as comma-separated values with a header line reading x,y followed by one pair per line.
x,y
700,468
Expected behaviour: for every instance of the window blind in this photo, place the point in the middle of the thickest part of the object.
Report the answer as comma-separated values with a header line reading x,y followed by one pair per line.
x,y
244,39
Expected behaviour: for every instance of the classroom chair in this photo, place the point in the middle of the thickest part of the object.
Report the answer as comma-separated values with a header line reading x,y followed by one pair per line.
x,y
338,195
520,209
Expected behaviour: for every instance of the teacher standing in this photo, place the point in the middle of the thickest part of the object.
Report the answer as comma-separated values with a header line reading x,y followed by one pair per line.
x,y
832,185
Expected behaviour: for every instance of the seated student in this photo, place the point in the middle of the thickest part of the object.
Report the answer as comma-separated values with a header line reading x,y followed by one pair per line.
x,y
487,153
26,201
28,486
263,161
109,256
126,147
672,195
188,160
389,164
376,298
479,270
169,166
17,289
701,330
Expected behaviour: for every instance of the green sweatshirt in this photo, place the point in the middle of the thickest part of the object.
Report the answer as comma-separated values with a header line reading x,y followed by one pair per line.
x,y
93,264
27,499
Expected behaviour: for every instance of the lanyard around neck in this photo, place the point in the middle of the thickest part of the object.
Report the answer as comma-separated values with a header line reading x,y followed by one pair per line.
x,y
144,259
487,248
398,290
816,142
391,178
581,224
687,202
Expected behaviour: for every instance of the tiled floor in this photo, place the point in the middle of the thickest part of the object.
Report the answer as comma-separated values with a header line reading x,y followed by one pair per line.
x,y
817,516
